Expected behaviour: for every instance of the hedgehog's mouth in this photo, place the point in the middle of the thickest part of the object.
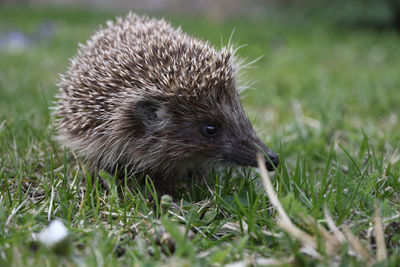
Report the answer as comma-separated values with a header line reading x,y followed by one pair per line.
x,y
244,154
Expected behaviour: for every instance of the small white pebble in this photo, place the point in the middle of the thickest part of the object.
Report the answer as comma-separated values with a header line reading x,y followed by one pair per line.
x,y
54,234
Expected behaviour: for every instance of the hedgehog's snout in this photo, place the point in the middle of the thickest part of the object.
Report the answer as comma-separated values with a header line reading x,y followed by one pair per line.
x,y
244,154
271,160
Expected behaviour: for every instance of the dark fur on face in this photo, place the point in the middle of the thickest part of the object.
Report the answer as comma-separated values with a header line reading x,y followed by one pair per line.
x,y
145,96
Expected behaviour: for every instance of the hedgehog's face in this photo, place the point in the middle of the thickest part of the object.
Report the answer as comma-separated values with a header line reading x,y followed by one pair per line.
x,y
202,132
237,146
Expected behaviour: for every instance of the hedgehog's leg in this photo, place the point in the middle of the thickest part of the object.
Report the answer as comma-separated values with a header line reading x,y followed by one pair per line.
x,y
178,184
164,183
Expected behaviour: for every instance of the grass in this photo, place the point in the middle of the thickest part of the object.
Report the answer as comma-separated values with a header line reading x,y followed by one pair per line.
x,y
326,98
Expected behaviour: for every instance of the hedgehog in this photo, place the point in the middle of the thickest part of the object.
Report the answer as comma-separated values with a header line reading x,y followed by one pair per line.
x,y
145,97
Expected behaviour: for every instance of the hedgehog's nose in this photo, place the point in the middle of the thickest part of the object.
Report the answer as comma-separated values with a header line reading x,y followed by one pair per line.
x,y
271,160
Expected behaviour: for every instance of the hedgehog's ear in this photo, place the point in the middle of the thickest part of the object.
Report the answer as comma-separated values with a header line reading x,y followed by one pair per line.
x,y
150,112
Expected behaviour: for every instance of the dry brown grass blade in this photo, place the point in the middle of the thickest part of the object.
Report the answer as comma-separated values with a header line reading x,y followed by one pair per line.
x,y
273,262
2,125
261,261
356,244
283,219
15,211
380,237
332,226
390,219
332,244
49,211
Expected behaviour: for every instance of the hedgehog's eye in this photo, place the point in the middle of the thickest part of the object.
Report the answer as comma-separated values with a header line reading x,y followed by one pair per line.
x,y
209,130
